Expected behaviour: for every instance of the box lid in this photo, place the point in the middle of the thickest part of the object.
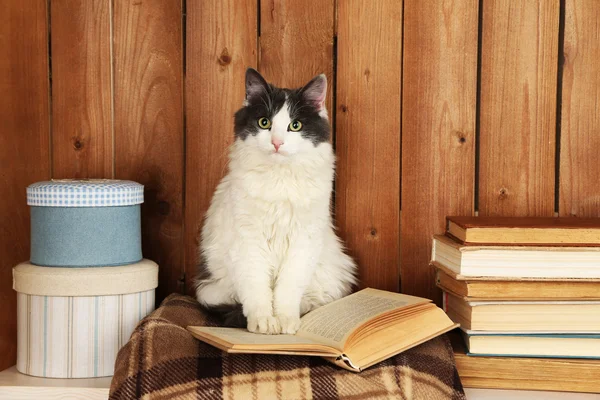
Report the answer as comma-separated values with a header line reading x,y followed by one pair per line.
x,y
96,281
85,193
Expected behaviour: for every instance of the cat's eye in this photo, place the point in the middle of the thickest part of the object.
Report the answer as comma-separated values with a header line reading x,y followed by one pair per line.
x,y
295,126
264,123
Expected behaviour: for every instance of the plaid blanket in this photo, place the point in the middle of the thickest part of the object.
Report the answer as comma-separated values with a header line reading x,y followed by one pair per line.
x,y
163,361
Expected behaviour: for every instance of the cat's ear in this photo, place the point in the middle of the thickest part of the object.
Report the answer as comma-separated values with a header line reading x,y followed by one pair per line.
x,y
255,84
315,91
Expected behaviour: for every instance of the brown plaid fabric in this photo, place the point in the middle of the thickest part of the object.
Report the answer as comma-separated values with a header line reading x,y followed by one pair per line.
x,y
163,361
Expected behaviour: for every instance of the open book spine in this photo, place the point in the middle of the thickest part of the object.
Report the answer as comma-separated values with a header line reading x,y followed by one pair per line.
x,y
343,361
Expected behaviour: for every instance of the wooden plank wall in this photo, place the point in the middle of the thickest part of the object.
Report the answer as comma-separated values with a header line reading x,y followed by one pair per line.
x,y
518,107
438,129
24,145
292,58
368,136
82,141
148,125
579,172
463,107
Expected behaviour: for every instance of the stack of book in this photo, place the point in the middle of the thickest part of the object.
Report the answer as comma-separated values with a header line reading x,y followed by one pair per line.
x,y
522,287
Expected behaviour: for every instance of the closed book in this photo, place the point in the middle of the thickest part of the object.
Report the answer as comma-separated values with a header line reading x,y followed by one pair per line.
x,y
540,289
533,345
525,230
525,316
516,261
526,373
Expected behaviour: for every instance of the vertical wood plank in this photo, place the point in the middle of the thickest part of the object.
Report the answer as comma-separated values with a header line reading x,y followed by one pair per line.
x,y
149,125
81,89
438,125
24,144
296,43
580,121
518,107
221,44
368,136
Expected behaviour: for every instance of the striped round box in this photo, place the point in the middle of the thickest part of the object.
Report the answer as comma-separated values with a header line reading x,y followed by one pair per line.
x,y
85,223
71,322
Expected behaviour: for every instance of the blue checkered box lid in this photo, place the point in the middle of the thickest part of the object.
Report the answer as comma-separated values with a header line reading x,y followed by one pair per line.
x,y
85,193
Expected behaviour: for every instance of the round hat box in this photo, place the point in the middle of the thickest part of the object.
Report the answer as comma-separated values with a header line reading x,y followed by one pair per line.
x,y
71,322
85,223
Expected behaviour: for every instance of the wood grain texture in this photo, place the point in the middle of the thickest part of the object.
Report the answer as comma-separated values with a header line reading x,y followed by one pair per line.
x,y
368,136
81,89
518,107
438,125
296,43
149,125
24,144
580,120
221,44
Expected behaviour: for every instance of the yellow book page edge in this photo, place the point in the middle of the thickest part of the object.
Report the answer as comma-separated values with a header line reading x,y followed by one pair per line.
x,y
284,344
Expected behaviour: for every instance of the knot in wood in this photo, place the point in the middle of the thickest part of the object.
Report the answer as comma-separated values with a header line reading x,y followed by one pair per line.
x,y
164,208
502,193
367,73
224,59
77,144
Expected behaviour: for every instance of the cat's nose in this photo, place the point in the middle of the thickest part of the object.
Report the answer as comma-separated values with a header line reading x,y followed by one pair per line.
x,y
276,143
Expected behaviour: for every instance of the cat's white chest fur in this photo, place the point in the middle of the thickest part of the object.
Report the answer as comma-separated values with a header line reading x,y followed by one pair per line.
x,y
280,202
264,220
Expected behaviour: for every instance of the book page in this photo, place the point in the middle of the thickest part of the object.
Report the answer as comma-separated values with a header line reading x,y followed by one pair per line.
x,y
333,323
238,336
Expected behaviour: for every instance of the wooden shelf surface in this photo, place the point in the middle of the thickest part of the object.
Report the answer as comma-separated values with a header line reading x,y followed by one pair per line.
x,y
16,386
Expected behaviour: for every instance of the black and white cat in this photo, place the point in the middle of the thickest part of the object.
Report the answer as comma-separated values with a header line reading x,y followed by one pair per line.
x,y
268,242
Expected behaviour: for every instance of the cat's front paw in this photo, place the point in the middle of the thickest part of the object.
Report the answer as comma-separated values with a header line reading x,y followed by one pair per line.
x,y
289,324
267,325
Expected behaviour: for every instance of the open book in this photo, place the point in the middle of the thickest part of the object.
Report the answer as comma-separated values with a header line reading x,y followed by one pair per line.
x,y
354,332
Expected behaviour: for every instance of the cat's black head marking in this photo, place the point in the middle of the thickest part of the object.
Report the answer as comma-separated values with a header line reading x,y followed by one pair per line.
x,y
305,104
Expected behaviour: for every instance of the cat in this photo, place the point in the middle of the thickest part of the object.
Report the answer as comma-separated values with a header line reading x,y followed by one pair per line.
x,y
268,247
